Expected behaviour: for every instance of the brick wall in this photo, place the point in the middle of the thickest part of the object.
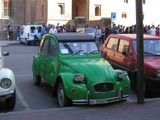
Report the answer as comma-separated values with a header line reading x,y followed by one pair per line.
x,y
17,18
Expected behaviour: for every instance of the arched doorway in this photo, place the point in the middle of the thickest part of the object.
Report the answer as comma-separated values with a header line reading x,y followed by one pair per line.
x,y
80,8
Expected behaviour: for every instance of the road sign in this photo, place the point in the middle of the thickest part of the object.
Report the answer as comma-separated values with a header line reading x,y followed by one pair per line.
x,y
113,15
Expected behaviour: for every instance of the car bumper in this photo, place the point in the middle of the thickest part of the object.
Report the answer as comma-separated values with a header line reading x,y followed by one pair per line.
x,y
5,96
153,83
100,101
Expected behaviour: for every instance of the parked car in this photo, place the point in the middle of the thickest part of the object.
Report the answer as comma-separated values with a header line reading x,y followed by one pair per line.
x,y
72,64
90,31
121,51
27,33
7,84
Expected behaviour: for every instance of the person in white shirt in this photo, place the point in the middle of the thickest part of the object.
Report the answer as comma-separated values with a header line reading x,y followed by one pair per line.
x,y
36,39
98,34
152,30
53,30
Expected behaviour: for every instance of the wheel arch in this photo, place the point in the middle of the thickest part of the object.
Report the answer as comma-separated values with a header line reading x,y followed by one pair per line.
x,y
66,79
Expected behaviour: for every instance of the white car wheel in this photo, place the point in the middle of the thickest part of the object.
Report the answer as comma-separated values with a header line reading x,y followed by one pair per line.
x,y
11,101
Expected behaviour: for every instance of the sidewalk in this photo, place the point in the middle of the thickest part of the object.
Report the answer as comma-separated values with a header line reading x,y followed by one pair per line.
x,y
7,42
115,111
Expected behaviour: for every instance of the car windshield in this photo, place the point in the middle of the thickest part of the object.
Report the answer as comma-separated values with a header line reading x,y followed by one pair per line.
x,y
75,47
151,47
90,30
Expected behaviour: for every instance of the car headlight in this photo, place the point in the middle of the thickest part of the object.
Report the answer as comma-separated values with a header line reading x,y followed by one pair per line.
x,y
5,83
122,75
158,73
79,77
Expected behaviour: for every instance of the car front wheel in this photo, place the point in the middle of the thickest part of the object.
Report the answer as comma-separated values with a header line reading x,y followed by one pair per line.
x,y
61,96
36,79
11,101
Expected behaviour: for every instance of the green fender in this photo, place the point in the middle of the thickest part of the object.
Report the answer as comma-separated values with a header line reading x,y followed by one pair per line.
x,y
123,83
35,66
73,90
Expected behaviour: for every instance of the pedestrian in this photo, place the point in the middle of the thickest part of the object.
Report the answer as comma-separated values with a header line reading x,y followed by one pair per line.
x,y
107,31
73,29
103,34
53,29
152,30
68,28
18,33
10,31
44,30
36,39
98,34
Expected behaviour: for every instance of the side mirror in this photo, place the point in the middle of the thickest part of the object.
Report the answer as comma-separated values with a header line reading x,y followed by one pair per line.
x,y
5,53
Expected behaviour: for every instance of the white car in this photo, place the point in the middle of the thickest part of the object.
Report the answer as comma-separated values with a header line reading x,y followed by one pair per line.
x,y
27,33
7,84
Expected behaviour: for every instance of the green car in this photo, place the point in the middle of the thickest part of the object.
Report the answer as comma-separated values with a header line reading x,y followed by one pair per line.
x,y
72,64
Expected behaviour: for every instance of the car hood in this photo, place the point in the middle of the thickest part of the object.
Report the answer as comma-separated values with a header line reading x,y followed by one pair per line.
x,y
97,69
152,62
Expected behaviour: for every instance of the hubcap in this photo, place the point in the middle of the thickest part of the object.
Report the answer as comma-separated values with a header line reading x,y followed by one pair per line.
x,y
61,96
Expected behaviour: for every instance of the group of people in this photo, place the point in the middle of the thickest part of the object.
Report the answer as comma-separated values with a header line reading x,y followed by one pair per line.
x,y
51,28
101,31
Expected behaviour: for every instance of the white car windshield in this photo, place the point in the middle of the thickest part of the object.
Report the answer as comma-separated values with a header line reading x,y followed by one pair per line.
x,y
78,47
151,47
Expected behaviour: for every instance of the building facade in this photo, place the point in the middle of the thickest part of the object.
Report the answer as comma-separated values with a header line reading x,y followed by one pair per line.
x,y
121,12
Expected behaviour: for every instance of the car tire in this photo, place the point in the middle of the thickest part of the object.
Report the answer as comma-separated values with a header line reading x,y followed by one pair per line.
x,y
11,101
37,80
147,91
62,99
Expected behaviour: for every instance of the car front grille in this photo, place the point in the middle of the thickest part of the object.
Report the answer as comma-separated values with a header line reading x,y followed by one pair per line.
x,y
104,87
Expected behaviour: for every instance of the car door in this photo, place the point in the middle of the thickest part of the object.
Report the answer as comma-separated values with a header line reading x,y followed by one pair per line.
x,y
51,62
43,57
123,57
110,49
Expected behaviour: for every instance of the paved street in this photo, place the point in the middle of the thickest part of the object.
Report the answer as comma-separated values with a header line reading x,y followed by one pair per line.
x,y
127,110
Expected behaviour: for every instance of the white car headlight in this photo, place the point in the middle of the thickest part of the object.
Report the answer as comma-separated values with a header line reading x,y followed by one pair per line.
x,y
5,83
158,73
79,77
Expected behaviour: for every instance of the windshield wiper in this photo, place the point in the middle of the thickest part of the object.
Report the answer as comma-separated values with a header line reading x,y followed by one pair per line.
x,y
80,50
94,51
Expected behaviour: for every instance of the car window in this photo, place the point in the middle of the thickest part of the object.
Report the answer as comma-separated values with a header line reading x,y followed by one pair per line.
x,y
44,48
151,47
52,48
112,43
39,28
123,46
77,47
32,28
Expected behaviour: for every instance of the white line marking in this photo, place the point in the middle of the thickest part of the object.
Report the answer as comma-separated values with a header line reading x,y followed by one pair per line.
x,y
22,100
23,75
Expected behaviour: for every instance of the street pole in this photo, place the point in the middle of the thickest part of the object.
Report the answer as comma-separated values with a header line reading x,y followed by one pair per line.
x,y
140,54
